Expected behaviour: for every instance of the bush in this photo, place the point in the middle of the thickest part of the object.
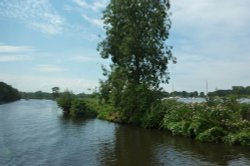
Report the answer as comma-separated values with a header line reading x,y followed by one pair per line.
x,y
80,109
240,138
215,121
214,134
155,115
178,128
245,111
65,101
104,110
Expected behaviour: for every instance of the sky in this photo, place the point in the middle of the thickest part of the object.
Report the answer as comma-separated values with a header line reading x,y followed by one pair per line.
x,y
47,43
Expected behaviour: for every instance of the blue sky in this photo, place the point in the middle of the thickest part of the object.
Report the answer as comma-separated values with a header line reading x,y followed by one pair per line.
x,y
47,43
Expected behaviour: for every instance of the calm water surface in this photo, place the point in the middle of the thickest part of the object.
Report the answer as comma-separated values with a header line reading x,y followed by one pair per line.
x,y
34,132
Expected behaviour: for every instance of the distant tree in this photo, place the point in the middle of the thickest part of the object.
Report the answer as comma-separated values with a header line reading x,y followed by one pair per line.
x,y
248,90
55,92
36,95
184,94
82,95
39,94
202,94
238,90
193,94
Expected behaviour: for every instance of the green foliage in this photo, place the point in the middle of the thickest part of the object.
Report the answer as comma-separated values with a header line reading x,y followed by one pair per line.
x,y
178,128
104,110
214,134
135,101
215,121
186,94
245,111
65,101
55,92
8,93
239,138
79,108
136,32
238,91
154,117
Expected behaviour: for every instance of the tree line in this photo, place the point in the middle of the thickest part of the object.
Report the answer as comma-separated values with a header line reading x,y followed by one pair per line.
x,y
239,91
8,93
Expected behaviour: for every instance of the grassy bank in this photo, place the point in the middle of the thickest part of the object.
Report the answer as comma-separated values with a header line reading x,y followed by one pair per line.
x,y
219,121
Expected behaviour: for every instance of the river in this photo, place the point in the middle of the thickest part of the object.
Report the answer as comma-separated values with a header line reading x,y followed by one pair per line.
x,y
35,133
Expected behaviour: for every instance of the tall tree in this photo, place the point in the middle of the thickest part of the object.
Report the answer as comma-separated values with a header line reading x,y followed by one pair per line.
x,y
136,34
55,91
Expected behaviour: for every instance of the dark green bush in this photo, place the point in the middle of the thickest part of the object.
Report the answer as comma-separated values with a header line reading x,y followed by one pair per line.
x,y
65,101
80,109
245,111
155,115
214,134
240,138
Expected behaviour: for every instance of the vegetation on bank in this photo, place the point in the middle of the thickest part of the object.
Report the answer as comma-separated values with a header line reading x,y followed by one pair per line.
x,y
214,121
8,93
75,106
220,121
135,42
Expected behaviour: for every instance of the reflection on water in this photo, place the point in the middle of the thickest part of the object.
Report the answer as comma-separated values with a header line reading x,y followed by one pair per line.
x,y
35,132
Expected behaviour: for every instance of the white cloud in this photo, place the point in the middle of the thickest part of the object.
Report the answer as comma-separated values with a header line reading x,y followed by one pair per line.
x,y
49,68
92,11
14,49
211,21
99,5
82,3
39,14
96,6
10,53
96,22
11,58
223,14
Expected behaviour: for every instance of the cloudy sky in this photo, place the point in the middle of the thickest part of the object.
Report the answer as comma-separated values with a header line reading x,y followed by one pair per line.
x,y
46,43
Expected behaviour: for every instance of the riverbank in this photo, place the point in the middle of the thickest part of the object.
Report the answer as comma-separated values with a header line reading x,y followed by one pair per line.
x,y
218,121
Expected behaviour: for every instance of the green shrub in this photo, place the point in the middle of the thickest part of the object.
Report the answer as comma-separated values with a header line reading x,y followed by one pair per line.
x,y
80,109
154,116
240,138
178,128
104,110
214,134
108,113
245,111
208,122
196,127
65,101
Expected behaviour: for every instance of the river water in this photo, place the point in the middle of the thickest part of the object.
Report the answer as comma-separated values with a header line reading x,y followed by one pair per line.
x,y
34,133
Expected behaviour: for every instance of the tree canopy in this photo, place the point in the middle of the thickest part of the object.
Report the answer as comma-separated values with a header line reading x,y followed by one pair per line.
x,y
8,93
136,34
